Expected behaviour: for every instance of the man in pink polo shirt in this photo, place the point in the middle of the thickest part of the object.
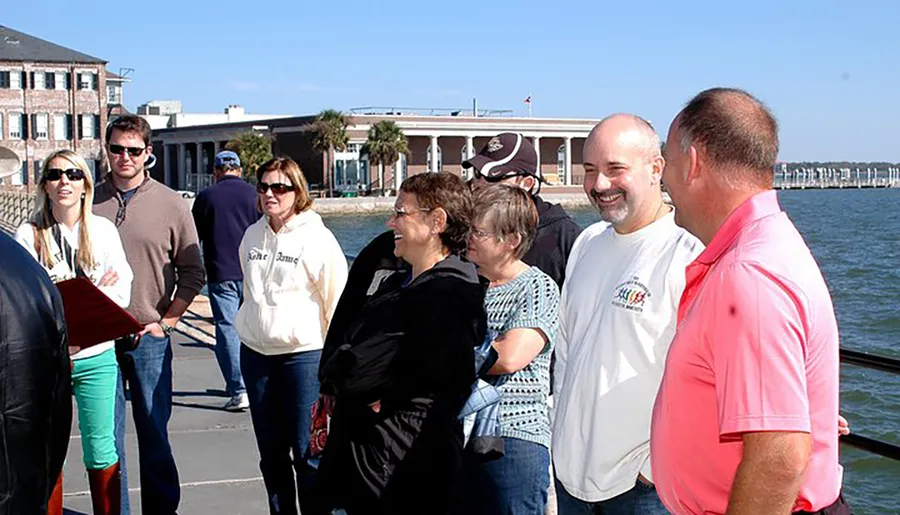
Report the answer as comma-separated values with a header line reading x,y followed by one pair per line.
x,y
745,417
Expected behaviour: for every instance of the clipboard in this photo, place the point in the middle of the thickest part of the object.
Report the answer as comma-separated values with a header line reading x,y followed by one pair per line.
x,y
91,316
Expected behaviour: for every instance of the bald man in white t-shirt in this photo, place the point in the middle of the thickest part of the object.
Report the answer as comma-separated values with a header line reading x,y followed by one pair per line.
x,y
623,283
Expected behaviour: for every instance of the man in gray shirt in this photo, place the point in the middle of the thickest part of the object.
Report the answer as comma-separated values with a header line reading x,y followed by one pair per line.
x,y
161,245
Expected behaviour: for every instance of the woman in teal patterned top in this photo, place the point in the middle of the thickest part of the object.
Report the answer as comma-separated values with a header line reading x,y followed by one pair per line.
x,y
522,306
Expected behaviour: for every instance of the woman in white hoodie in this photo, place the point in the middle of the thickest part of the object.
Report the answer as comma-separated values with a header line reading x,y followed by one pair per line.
x,y
68,241
294,274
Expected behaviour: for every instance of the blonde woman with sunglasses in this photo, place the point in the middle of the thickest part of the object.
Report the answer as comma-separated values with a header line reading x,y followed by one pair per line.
x,y
68,241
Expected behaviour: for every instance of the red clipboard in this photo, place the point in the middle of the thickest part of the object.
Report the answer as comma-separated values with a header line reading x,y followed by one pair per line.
x,y
91,316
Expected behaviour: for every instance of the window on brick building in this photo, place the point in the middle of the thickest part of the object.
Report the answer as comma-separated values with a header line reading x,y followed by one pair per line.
x,y
59,127
16,79
87,126
15,126
87,81
50,80
37,80
41,125
4,80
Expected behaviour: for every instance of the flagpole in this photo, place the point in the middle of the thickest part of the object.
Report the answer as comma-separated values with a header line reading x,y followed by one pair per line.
x,y
530,103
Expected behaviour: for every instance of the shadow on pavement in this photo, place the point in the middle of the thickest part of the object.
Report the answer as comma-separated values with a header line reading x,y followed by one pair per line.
x,y
207,393
191,405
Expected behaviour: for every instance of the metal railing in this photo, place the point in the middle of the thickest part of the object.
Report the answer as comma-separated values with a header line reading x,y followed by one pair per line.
x,y
884,364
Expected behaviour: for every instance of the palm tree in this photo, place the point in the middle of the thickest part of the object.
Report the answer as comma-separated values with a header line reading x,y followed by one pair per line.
x,y
254,149
329,134
385,144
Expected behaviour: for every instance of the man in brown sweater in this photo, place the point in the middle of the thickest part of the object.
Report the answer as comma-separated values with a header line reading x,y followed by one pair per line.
x,y
161,245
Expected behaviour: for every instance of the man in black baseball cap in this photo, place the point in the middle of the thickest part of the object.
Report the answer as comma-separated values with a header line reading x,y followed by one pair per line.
x,y
510,158
507,157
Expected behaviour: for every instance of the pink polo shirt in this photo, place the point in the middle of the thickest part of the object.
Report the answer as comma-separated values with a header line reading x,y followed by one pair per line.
x,y
756,349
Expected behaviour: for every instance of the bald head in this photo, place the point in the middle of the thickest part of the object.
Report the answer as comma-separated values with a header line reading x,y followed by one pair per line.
x,y
622,168
626,131
733,129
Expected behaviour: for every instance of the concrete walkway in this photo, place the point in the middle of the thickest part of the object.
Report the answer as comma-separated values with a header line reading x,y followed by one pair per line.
x,y
215,450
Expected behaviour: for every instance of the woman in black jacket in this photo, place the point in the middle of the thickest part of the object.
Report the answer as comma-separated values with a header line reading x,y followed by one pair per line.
x,y
406,365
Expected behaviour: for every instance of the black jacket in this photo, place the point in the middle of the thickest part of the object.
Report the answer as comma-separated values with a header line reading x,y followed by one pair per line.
x,y
411,348
374,264
35,383
556,233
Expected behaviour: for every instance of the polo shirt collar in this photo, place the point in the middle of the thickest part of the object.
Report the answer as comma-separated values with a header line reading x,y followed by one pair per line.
x,y
753,209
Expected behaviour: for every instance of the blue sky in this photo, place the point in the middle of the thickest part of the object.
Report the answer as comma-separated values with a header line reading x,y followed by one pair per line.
x,y
830,70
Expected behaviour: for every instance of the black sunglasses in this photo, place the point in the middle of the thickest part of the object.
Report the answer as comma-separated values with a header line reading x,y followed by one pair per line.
x,y
499,178
132,151
55,174
278,188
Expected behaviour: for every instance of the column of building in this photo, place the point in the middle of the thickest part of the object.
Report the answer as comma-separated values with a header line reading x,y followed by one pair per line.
x,y
434,154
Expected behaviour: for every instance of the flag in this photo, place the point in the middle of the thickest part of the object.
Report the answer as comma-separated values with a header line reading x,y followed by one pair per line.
x,y
528,100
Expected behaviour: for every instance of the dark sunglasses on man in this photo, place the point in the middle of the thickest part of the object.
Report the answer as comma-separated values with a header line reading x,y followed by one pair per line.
x,y
55,174
132,151
499,177
278,188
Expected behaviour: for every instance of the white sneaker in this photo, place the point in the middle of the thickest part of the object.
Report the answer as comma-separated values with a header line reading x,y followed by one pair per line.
x,y
239,402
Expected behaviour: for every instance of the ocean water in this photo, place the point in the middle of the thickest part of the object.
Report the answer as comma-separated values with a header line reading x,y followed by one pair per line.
x,y
855,237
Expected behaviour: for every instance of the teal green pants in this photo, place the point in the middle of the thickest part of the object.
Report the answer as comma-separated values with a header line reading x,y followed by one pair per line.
x,y
94,384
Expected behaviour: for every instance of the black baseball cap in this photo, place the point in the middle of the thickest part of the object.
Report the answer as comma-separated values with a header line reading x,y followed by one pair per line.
x,y
506,155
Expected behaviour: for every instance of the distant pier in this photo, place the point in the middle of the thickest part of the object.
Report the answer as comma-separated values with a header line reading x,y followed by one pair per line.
x,y
835,178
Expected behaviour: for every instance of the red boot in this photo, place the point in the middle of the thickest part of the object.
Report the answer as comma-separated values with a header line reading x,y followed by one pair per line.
x,y
105,490
55,504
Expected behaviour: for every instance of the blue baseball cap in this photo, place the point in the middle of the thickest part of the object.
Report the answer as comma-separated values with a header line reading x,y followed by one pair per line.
x,y
227,158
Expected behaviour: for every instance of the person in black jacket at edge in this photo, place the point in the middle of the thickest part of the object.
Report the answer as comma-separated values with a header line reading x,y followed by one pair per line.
x,y
35,381
405,365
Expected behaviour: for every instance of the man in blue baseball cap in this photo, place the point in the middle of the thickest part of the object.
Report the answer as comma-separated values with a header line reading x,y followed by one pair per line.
x,y
227,162
222,213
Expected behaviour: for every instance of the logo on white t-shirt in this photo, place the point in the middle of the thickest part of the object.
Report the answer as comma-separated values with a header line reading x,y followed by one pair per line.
x,y
631,295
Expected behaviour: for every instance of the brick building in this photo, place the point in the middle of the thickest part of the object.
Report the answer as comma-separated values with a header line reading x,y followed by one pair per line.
x,y
51,98
437,142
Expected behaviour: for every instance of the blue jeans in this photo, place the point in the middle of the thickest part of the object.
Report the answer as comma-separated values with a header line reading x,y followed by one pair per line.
x,y
515,484
120,441
640,500
148,371
225,298
282,390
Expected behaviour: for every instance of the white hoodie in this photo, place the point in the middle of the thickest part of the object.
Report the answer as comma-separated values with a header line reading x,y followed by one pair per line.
x,y
292,282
